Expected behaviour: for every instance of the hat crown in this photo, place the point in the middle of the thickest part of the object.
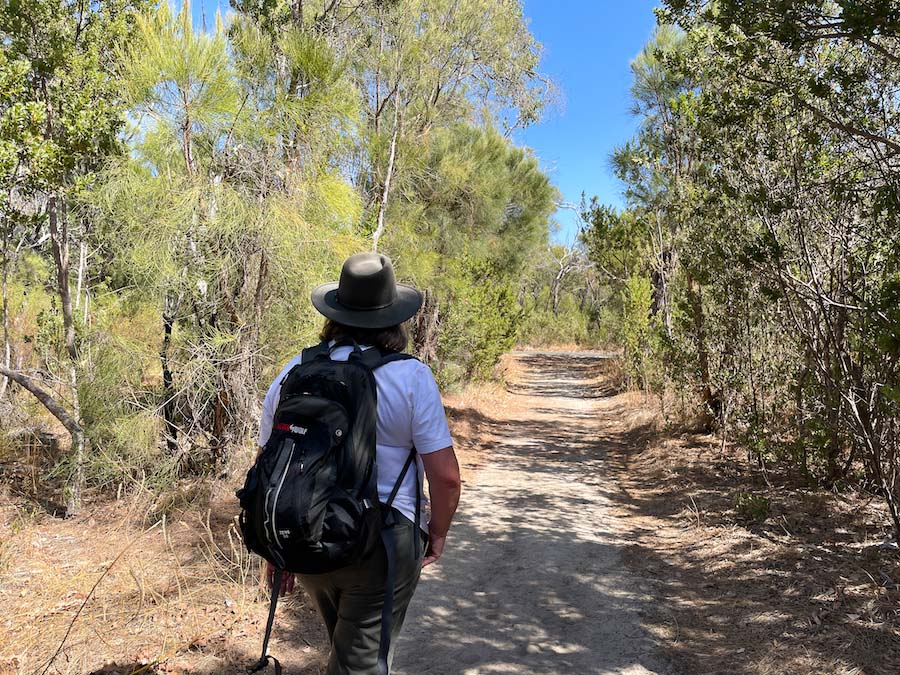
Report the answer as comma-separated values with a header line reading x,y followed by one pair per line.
x,y
367,294
367,282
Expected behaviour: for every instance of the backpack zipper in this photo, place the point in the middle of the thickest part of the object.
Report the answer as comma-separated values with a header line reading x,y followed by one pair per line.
x,y
287,465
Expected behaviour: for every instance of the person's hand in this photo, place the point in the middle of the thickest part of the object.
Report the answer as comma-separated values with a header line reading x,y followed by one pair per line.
x,y
435,548
287,580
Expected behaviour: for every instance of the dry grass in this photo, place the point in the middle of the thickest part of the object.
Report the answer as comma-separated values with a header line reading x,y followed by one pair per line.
x,y
795,584
466,412
176,592
180,595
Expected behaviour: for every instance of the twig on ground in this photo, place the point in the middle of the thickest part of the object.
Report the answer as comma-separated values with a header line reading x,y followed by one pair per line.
x,y
677,629
696,510
784,526
88,597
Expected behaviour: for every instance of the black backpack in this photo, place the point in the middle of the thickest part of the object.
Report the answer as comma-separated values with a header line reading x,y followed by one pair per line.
x,y
310,502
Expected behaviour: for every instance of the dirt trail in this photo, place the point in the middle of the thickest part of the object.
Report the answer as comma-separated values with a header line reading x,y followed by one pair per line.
x,y
577,510
533,580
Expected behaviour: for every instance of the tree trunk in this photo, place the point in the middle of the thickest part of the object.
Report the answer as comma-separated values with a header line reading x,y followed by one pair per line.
x,y
382,205
4,292
557,284
660,277
46,399
168,380
187,149
800,417
236,406
70,422
377,121
59,237
883,461
426,328
711,404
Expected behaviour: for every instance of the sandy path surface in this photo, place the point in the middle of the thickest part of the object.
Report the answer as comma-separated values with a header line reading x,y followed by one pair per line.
x,y
533,580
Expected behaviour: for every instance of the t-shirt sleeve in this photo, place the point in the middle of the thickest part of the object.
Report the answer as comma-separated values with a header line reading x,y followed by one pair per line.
x,y
430,431
268,413
270,402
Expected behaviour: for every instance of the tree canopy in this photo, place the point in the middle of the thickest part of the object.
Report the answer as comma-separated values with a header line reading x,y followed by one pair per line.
x,y
183,189
762,191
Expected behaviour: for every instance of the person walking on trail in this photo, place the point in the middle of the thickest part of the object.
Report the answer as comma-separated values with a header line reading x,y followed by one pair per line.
x,y
366,310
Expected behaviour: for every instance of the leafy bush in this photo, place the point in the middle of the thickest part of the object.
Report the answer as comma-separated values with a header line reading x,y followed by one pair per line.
x,y
636,330
570,324
752,507
480,321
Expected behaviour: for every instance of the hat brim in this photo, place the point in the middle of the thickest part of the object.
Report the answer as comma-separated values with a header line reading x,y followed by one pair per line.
x,y
408,302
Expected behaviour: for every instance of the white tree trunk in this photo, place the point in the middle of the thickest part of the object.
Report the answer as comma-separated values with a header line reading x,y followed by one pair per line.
x,y
4,294
82,261
76,482
382,205
59,237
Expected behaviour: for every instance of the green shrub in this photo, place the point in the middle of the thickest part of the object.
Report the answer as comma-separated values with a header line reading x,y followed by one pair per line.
x,y
636,329
752,507
570,324
480,321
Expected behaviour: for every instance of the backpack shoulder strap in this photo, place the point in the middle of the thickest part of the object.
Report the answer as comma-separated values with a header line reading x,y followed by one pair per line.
x,y
306,356
390,547
310,353
390,357
373,358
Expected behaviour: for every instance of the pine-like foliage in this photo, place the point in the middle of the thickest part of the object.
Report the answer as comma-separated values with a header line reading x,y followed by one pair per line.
x,y
763,190
235,167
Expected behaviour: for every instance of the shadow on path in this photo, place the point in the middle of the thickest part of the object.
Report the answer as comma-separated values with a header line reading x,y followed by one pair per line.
x,y
532,581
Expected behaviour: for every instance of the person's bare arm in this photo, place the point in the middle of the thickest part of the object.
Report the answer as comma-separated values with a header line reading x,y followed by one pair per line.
x,y
444,487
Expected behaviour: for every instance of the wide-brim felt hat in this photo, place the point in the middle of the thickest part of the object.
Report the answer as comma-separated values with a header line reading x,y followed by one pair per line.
x,y
367,295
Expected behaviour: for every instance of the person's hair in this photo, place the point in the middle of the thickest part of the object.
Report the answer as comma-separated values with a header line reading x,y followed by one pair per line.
x,y
392,338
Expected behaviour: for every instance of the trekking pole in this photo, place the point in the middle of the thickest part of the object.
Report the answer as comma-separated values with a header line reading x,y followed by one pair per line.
x,y
273,602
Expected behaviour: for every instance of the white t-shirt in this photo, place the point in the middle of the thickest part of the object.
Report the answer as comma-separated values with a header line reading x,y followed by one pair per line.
x,y
410,414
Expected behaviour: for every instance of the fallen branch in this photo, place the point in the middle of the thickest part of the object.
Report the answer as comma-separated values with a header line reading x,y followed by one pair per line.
x,y
46,399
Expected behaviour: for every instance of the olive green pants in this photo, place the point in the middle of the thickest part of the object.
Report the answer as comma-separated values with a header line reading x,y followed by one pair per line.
x,y
350,601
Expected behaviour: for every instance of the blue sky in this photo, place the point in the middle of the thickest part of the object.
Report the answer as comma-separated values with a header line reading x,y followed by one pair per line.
x,y
588,45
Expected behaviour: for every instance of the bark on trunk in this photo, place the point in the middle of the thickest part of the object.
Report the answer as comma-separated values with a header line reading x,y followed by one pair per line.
x,y
382,205
168,382
59,237
4,291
